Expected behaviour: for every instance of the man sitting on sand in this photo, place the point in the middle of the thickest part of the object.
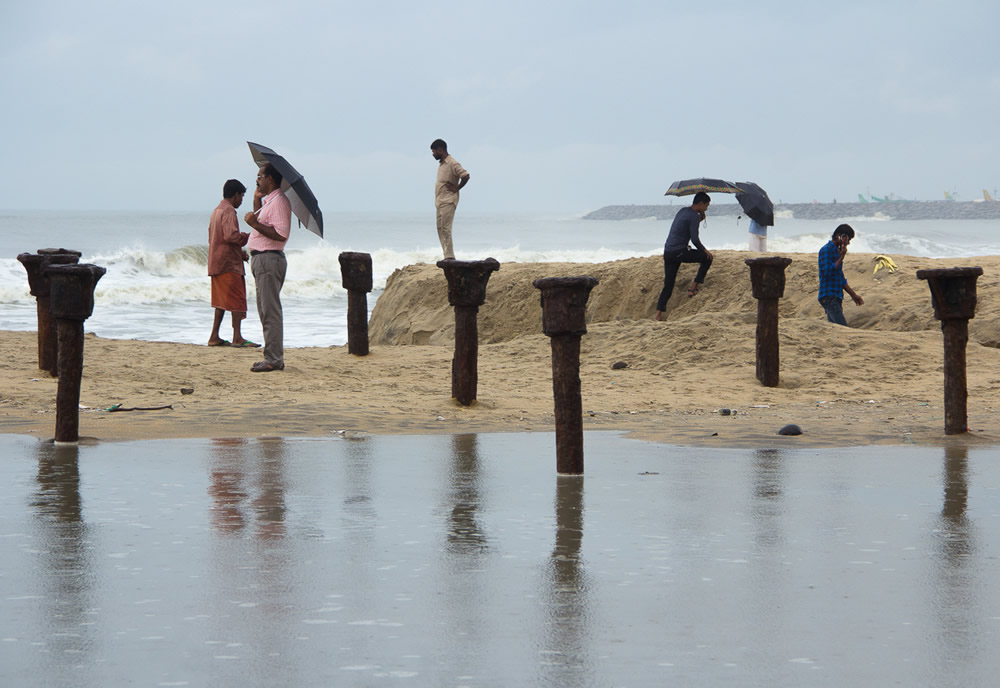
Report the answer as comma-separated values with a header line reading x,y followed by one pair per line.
x,y
676,250
225,264
832,282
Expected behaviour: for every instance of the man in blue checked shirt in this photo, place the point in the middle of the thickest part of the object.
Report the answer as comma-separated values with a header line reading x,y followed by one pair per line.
x,y
832,283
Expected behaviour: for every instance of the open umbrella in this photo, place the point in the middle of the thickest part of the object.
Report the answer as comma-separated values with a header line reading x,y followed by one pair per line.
x,y
687,187
756,203
300,196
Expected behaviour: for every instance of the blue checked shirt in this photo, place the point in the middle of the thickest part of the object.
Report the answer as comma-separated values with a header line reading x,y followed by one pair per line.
x,y
831,275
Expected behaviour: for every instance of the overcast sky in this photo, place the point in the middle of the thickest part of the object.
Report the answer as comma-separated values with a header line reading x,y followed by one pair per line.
x,y
551,106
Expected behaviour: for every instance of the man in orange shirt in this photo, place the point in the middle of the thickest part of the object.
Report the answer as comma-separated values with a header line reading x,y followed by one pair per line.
x,y
225,264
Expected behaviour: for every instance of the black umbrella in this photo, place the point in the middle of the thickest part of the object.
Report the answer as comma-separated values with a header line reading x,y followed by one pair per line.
x,y
687,187
756,203
300,196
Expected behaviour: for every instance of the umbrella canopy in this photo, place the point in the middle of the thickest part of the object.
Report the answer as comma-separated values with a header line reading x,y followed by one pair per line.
x,y
756,203
300,196
687,187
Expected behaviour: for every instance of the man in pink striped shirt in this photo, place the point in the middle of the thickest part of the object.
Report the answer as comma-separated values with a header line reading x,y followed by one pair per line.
x,y
271,220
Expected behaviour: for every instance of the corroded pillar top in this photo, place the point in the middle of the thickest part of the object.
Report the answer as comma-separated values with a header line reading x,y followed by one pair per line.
x,y
953,291
356,271
59,252
72,295
767,276
467,280
564,303
36,263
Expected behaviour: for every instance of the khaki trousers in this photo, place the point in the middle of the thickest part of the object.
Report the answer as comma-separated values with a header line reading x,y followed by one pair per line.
x,y
445,218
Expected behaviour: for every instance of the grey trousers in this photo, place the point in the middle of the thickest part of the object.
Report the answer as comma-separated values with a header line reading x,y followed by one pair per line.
x,y
269,274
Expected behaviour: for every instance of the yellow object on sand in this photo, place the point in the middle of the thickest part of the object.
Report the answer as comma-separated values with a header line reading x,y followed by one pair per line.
x,y
884,262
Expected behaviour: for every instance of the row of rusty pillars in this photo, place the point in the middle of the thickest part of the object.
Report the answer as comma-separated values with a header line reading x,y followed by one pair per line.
x,y
466,293
36,264
356,275
72,302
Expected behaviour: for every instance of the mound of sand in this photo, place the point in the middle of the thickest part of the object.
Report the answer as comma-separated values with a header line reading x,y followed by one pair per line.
x,y
414,306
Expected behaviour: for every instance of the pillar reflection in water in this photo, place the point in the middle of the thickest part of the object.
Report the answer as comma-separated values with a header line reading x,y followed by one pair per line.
x,y
359,515
768,489
65,571
566,646
465,535
766,558
956,592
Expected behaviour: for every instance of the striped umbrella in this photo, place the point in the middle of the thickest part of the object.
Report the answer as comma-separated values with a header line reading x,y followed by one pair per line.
x,y
687,187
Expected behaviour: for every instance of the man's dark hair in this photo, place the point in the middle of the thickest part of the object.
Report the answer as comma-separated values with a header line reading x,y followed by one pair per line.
x,y
439,143
233,187
701,197
843,229
270,171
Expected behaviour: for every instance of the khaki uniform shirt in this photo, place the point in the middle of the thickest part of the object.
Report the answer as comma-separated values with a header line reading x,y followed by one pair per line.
x,y
449,170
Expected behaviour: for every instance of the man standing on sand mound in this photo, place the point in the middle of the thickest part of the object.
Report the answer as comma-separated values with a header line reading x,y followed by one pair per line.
x,y
676,250
451,178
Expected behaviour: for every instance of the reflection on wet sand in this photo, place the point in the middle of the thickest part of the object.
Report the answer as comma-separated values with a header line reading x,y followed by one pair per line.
x,y
233,460
462,561
956,590
252,586
465,535
65,569
566,654
226,486
359,518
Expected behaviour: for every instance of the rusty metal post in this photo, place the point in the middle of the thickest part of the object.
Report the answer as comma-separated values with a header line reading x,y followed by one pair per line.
x,y
953,293
767,278
38,283
564,320
466,293
72,300
356,274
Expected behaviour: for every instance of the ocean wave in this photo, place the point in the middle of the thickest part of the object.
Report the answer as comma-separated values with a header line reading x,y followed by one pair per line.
x,y
187,261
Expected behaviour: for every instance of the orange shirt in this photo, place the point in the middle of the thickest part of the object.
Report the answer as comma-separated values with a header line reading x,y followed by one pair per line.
x,y
225,240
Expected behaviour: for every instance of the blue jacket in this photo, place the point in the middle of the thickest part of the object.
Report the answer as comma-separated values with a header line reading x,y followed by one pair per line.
x,y
683,229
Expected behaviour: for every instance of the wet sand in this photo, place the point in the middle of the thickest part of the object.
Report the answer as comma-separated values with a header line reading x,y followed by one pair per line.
x,y
464,560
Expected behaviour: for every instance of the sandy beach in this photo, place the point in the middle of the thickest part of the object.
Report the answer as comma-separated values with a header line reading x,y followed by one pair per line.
x,y
879,382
